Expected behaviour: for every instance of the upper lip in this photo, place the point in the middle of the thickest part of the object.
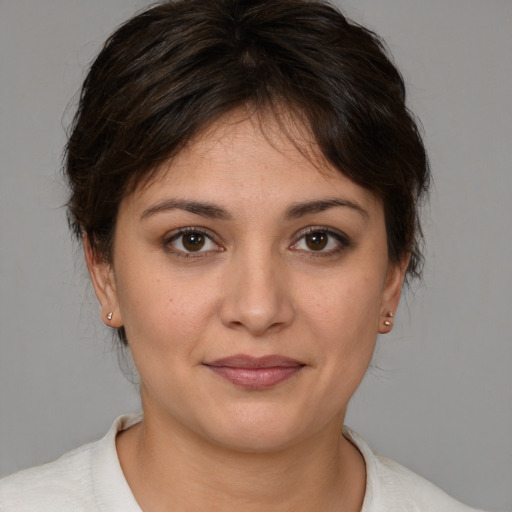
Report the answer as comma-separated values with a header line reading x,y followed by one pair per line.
x,y
251,362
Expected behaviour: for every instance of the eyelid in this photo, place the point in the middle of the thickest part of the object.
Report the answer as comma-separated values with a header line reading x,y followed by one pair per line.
x,y
341,237
176,233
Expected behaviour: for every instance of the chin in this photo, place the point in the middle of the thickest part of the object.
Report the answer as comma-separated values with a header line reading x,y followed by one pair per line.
x,y
263,430
257,440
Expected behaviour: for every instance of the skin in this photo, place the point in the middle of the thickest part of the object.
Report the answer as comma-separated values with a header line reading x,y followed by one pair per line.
x,y
254,288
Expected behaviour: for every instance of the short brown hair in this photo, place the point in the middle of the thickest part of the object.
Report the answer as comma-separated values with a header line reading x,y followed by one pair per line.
x,y
174,69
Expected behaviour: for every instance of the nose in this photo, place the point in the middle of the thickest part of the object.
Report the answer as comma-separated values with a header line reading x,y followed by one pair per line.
x,y
256,297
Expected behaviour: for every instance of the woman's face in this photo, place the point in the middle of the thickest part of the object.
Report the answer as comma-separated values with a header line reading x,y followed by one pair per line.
x,y
251,286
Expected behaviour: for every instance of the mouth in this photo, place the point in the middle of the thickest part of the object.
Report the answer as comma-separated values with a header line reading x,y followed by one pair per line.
x,y
255,373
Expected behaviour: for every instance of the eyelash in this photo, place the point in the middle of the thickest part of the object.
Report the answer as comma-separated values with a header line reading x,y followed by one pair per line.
x,y
341,238
187,231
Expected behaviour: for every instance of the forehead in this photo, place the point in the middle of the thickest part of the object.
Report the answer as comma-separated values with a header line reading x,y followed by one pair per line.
x,y
251,160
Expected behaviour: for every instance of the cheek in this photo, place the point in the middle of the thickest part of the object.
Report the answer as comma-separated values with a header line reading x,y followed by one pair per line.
x,y
164,312
343,317
344,304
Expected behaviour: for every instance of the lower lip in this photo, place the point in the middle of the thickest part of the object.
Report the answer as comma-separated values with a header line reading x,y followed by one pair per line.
x,y
256,378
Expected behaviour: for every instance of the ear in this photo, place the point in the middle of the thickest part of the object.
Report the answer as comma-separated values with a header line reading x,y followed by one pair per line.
x,y
391,293
103,281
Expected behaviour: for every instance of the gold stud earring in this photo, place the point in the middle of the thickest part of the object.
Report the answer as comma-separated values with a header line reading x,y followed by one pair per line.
x,y
388,323
110,315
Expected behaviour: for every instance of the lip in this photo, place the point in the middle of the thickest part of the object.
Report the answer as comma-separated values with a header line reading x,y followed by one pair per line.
x,y
255,372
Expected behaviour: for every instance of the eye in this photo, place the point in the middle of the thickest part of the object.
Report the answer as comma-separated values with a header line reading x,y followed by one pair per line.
x,y
322,241
191,240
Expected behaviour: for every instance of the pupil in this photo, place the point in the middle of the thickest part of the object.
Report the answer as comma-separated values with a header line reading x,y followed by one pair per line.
x,y
193,241
316,241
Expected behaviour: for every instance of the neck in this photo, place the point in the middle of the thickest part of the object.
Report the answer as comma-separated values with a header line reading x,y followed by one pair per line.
x,y
175,469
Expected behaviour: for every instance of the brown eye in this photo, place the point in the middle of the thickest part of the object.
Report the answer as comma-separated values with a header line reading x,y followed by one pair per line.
x,y
193,241
321,242
317,240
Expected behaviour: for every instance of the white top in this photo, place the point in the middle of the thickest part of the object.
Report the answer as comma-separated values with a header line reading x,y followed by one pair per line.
x,y
90,479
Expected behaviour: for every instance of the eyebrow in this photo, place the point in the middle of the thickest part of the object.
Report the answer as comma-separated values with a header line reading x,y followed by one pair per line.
x,y
213,211
199,208
300,209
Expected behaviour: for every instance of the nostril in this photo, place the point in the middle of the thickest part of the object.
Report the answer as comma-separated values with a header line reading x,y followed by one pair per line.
x,y
255,299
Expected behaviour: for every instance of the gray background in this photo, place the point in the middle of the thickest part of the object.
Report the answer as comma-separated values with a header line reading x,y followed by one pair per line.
x,y
438,397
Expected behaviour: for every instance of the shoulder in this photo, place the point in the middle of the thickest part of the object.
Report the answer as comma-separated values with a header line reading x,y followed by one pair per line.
x,y
413,492
392,487
58,485
86,479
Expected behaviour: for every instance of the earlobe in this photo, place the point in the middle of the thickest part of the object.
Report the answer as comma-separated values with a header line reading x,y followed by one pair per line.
x,y
391,295
103,281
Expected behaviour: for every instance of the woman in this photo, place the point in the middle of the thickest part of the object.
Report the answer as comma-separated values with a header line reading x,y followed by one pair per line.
x,y
245,179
